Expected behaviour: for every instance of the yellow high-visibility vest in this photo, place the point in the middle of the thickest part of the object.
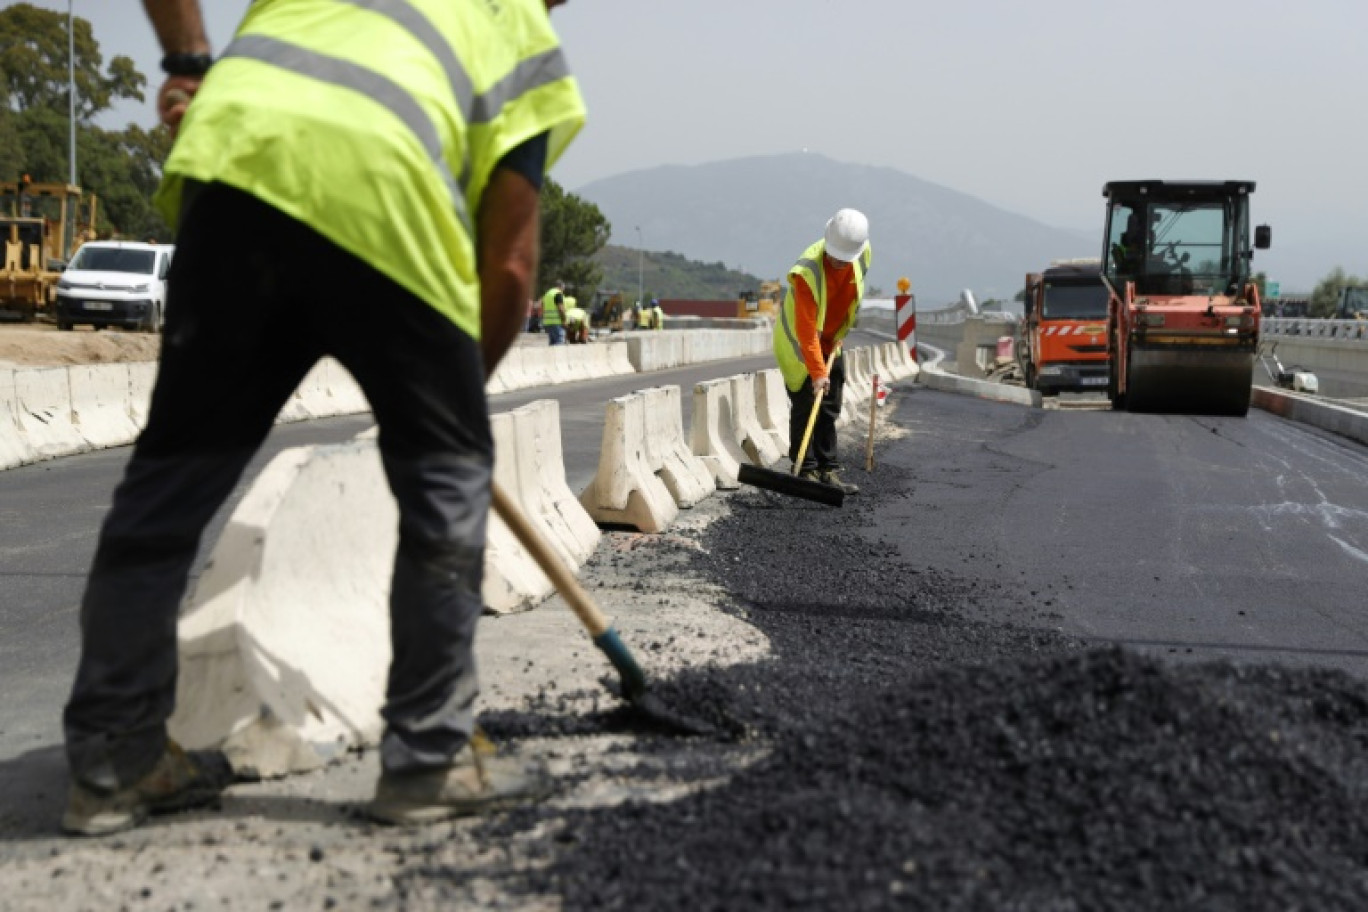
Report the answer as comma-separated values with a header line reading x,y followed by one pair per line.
x,y
788,352
379,124
550,315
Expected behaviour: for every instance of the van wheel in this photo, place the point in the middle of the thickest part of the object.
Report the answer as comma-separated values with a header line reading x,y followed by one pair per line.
x,y
64,325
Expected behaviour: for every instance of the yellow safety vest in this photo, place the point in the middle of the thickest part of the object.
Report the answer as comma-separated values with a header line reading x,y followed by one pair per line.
x,y
550,315
788,352
378,125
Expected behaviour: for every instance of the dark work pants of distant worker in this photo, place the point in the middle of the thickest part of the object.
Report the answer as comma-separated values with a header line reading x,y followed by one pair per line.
x,y
821,452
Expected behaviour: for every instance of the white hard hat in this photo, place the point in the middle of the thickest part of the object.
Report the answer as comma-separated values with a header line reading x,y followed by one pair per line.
x,y
847,233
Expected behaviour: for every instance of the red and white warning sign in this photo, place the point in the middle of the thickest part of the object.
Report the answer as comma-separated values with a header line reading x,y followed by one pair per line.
x,y
906,316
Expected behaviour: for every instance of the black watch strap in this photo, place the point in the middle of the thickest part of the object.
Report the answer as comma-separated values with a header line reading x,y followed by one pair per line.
x,y
186,64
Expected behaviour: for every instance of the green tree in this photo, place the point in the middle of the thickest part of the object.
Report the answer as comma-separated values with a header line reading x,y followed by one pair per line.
x,y
1326,295
121,167
572,231
33,60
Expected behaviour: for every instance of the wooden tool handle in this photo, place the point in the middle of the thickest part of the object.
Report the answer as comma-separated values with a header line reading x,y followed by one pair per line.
x,y
873,416
550,562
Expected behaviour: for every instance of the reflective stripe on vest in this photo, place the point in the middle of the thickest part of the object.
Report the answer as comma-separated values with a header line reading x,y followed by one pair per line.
x,y
788,352
373,85
399,194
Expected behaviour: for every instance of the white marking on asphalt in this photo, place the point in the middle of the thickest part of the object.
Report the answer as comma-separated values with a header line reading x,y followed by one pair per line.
x,y
1351,550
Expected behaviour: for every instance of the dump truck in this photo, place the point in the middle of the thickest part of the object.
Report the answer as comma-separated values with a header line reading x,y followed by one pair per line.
x,y
1062,343
42,226
1183,312
1352,303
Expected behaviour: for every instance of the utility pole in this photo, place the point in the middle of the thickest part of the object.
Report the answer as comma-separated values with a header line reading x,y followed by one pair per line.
x,y
71,91
641,257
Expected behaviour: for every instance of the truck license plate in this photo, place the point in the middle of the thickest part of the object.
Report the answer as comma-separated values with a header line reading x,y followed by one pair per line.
x,y
98,305
1094,381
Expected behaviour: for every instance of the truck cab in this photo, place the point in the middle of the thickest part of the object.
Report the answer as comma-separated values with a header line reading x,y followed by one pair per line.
x,y
1063,343
1353,303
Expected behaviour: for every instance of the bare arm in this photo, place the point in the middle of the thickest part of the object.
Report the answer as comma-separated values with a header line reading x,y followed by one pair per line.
x,y
507,231
179,25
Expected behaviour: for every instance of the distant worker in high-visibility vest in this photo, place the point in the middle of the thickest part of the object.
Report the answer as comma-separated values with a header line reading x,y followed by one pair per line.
x,y
278,141
576,322
657,315
825,288
553,314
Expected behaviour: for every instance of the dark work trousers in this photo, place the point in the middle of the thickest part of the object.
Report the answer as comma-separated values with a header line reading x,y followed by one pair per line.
x,y
821,451
255,299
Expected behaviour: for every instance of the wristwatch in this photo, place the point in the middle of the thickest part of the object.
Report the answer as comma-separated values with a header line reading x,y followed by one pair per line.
x,y
181,64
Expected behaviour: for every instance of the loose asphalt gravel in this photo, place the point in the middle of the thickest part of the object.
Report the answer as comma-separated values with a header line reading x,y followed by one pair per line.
x,y
917,757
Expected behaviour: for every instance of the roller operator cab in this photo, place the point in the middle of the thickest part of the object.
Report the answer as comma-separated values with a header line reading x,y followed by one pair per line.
x,y
115,283
1183,321
1063,343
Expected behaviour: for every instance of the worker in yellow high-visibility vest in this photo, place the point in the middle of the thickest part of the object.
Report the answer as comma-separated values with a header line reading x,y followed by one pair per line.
x,y
825,288
553,314
375,200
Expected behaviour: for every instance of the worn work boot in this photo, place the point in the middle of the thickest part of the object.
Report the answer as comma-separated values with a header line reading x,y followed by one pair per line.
x,y
476,782
830,477
180,780
810,475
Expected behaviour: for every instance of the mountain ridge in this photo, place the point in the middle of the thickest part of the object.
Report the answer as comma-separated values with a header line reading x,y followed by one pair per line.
x,y
757,214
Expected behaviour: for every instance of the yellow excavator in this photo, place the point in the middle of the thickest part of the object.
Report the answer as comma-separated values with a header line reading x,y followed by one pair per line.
x,y
762,303
42,226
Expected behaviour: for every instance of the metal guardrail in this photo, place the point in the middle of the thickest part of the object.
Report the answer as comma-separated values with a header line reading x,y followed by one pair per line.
x,y
958,314
1308,328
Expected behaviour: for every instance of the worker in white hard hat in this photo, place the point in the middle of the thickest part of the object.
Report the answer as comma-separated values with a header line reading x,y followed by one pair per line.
x,y
825,288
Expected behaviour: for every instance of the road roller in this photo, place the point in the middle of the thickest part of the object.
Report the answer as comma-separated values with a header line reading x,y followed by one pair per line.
x,y
1183,315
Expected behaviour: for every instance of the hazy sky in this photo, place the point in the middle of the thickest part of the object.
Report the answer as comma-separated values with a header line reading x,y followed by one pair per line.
x,y
1030,106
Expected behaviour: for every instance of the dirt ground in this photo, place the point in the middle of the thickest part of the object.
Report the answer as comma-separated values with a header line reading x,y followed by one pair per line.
x,y
43,345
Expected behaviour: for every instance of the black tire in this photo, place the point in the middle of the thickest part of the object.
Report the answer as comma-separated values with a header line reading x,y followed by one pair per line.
x,y
65,325
1030,377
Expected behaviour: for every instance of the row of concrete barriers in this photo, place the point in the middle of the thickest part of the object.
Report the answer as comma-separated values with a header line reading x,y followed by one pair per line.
x,y
60,411
285,670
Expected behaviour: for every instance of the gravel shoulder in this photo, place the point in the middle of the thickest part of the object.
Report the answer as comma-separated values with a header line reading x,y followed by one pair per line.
x,y
302,842
43,345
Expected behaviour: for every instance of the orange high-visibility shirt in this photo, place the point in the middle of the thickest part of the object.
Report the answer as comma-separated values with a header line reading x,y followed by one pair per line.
x,y
840,285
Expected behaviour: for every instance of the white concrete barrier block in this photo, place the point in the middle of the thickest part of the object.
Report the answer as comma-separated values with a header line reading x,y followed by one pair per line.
x,y
772,406
142,379
284,644
712,436
14,446
618,358
626,489
537,366
344,392
43,400
100,404
757,443
685,475
543,491
512,579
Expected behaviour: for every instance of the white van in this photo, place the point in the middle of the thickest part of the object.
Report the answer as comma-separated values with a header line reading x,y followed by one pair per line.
x,y
115,283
